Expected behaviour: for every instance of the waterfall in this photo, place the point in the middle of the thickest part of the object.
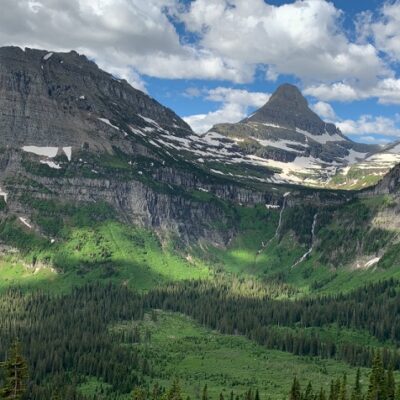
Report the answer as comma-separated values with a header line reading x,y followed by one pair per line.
x,y
307,253
278,228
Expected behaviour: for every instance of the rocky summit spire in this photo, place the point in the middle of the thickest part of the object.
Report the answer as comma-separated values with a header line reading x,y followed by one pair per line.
x,y
288,108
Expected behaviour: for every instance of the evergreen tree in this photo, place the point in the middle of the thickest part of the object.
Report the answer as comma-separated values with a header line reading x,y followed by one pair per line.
x,y
205,393
139,394
356,393
322,395
249,395
295,391
15,374
156,392
390,385
343,388
397,396
308,395
376,388
175,392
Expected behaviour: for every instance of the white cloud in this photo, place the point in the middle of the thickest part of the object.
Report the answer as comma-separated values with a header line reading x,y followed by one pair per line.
x,y
201,123
336,91
236,37
387,91
374,140
303,38
235,106
370,125
123,36
386,29
324,110
238,96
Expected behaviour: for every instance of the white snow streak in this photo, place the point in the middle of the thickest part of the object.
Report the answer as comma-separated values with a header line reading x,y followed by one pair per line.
x,y
41,151
51,164
25,222
47,56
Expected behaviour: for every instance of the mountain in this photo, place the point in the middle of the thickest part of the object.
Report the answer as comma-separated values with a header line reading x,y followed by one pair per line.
x,y
133,251
285,134
75,139
368,171
72,132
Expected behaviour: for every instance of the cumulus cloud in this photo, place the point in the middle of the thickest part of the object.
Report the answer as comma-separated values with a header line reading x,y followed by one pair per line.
x,y
387,91
384,29
324,110
234,38
315,46
124,36
370,125
235,106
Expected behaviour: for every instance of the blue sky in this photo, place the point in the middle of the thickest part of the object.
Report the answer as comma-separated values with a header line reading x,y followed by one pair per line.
x,y
217,60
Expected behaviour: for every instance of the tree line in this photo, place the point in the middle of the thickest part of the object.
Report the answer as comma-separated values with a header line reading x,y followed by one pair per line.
x,y
66,337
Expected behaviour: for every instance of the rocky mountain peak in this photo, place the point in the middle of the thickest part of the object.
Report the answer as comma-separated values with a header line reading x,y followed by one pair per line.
x,y
64,99
288,94
288,108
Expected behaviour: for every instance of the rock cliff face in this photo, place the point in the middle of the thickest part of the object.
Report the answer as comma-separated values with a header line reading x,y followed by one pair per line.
x,y
57,99
71,132
390,183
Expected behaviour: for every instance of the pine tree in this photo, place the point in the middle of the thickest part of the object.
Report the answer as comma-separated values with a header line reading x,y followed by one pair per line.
x,y
308,395
321,395
343,388
376,388
248,395
205,393
295,391
175,392
139,394
356,394
156,392
16,374
390,385
397,397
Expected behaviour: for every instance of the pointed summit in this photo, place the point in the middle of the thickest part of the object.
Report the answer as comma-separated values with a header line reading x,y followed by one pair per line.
x,y
288,108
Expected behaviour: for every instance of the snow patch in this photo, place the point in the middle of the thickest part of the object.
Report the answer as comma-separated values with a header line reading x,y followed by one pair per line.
x,y
272,206
149,120
354,156
50,152
372,262
25,222
323,139
279,144
107,122
47,56
68,152
3,194
274,125
51,164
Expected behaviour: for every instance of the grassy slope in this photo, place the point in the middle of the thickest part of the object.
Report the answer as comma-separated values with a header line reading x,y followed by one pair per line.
x,y
105,250
342,234
108,252
180,347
